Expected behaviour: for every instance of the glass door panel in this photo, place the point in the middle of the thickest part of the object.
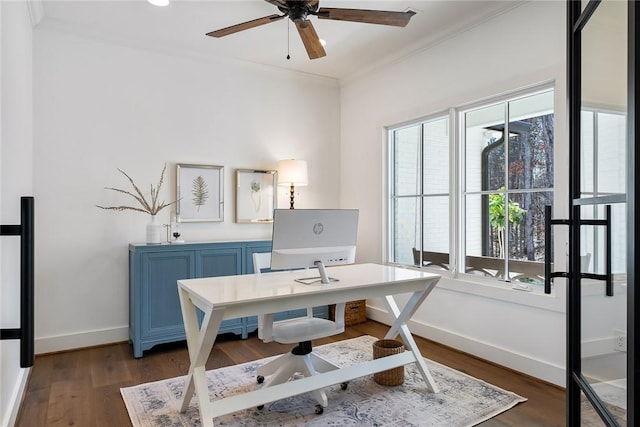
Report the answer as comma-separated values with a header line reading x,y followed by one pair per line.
x,y
603,159
603,318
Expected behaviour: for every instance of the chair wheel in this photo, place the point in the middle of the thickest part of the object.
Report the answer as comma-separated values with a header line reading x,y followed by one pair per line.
x,y
261,407
260,379
344,386
319,409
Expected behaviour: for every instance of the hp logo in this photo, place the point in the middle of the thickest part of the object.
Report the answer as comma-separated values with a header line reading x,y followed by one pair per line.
x,y
318,228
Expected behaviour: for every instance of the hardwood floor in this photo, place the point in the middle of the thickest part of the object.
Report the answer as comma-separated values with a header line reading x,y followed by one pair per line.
x,y
82,387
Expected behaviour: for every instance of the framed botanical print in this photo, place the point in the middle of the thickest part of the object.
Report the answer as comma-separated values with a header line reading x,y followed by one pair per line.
x,y
256,197
199,193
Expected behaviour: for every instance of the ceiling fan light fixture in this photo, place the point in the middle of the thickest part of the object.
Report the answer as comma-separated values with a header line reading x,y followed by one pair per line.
x,y
298,12
323,42
159,2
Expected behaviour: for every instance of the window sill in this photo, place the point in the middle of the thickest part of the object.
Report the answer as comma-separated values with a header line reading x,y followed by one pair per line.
x,y
496,289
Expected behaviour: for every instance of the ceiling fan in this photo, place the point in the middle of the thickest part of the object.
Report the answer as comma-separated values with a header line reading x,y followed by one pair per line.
x,y
300,10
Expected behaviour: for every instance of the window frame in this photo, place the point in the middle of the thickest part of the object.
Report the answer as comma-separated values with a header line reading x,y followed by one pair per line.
x,y
457,199
504,101
420,196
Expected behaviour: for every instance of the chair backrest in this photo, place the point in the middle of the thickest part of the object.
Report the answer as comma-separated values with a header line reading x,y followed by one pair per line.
x,y
261,261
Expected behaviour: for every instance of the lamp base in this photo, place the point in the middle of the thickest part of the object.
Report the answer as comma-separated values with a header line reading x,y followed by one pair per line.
x,y
291,191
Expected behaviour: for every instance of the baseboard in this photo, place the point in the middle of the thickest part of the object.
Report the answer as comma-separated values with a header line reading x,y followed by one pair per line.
x,y
599,347
15,400
519,362
56,343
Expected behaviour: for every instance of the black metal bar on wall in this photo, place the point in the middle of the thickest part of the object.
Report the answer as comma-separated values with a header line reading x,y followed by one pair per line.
x,y
26,233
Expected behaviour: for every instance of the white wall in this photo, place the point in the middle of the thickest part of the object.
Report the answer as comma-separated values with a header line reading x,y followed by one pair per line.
x,y
15,181
99,106
522,47
102,106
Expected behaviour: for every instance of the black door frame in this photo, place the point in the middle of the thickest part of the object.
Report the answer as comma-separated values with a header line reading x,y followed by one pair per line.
x,y
577,17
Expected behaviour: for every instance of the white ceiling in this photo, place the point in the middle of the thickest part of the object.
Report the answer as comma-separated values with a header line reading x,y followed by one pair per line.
x,y
351,47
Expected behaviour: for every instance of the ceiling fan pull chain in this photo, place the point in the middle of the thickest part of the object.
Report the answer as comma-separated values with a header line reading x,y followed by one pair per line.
x,y
288,29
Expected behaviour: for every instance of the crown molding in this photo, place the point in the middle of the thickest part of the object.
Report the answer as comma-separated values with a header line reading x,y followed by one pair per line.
x,y
36,11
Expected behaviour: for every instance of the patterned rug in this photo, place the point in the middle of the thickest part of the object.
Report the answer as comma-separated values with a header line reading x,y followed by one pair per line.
x,y
462,401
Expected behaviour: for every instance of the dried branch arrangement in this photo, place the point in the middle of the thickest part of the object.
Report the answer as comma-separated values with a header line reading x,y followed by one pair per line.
x,y
151,207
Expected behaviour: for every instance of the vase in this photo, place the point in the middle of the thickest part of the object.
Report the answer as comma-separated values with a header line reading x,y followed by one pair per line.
x,y
154,232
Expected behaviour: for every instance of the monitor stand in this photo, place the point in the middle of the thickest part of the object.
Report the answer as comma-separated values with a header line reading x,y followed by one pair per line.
x,y
324,277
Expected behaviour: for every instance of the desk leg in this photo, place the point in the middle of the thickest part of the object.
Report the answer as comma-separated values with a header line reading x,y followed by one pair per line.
x,y
400,327
199,342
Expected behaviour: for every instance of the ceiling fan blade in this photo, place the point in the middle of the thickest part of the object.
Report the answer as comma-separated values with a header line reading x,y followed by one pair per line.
x,y
310,39
396,19
245,26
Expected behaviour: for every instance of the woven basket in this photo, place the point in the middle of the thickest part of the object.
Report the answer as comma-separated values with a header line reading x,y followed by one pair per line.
x,y
391,377
354,312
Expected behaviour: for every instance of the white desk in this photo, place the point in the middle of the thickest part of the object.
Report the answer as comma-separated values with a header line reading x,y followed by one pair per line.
x,y
246,295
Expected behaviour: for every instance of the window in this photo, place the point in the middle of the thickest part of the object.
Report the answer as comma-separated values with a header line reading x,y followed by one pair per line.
x,y
508,155
505,153
420,191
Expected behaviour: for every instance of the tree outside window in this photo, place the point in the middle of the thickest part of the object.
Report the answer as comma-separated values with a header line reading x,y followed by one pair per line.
x,y
497,218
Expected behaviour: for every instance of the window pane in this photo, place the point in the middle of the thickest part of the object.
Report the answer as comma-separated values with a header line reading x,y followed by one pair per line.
x,y
486,239
611,145
484,145
593,239
406,155
436,224
436,231
406,226
587,120
526,228
531,142
483,241
476,220
436,156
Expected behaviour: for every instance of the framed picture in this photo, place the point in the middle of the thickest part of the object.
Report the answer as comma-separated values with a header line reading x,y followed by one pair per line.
x,y
256,197
199,193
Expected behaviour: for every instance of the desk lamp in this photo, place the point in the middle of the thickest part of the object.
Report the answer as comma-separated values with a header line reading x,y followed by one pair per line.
x,y
292,172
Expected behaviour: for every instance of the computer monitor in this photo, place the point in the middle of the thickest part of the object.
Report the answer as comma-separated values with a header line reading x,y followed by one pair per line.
x,y
313,237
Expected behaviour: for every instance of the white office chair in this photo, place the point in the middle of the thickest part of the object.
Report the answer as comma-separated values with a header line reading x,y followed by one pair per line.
x,y
301,331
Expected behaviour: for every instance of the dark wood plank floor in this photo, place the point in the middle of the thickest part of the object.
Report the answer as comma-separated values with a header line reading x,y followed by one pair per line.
x,y
82,387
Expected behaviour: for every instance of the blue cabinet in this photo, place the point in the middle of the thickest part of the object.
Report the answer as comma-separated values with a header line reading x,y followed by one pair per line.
x,y
155,316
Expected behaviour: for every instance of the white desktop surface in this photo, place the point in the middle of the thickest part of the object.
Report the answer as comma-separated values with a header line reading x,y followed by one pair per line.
x,y
246,295
252,294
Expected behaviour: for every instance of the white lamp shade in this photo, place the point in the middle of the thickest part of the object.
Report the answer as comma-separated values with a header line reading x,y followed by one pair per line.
x,y
292,172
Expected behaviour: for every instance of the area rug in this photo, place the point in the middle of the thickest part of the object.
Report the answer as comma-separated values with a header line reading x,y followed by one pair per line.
x,y
462,400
